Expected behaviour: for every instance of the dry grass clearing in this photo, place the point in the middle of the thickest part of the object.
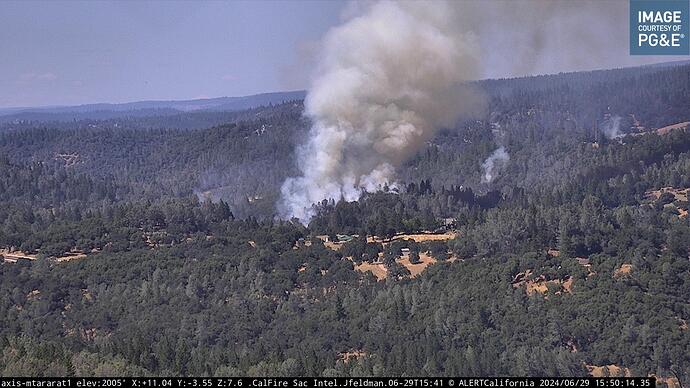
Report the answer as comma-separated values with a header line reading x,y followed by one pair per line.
x,y
334,246
618,371
540,284
665,130
680,194
70,256
608,371
379,270
624,270
422,237
13,256
417,237
671,382
416,269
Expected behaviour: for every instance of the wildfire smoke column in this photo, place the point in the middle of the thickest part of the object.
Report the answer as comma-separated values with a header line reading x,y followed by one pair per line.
x,y
386,80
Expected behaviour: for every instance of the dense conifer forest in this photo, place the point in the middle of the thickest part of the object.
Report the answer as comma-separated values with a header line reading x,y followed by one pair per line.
x,y
150,245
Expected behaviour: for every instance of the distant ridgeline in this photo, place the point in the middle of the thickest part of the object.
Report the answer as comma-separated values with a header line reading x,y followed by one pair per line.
x,y
147,244
146,108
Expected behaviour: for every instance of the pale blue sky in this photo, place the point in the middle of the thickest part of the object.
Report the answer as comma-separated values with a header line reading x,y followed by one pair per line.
x,y
76,52
73,52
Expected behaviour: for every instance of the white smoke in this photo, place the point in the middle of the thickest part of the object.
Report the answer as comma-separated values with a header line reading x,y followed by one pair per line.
x,y
386,81
496,160
612,127
524,37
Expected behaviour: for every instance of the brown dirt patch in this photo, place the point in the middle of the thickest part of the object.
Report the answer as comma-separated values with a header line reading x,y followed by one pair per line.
x,y
568,285
540,284
379,270
416,269
624,270
13,256
71,256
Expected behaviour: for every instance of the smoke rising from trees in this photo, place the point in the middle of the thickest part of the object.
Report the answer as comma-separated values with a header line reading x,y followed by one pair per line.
x,y
386,81
397,71
611,127
497,159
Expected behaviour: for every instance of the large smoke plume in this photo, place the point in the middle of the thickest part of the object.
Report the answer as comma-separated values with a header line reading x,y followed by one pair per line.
x,y
386,81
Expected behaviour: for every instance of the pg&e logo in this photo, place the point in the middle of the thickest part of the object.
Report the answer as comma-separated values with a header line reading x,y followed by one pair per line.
x,y
659,27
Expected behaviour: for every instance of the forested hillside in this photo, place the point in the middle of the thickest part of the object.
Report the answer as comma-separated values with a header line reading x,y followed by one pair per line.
x,y
140,246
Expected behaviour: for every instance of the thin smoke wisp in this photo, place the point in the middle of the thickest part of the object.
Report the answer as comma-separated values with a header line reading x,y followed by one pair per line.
x,y
496,160
612,127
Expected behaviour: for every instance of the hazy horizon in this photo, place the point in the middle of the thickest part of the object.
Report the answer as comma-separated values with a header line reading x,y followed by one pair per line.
x,y
75,53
